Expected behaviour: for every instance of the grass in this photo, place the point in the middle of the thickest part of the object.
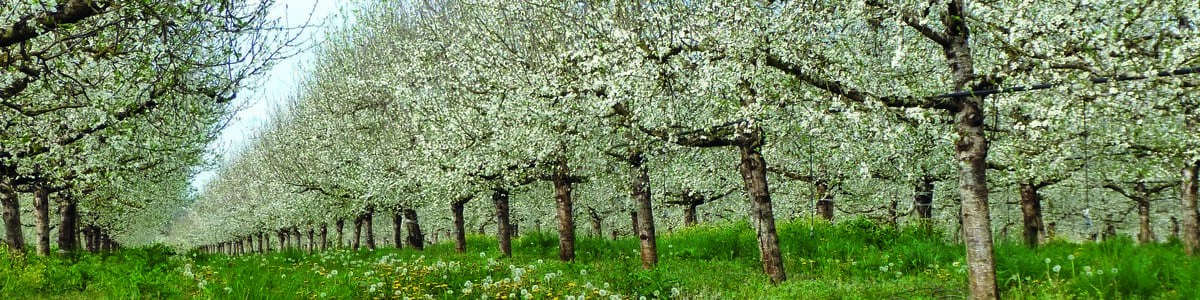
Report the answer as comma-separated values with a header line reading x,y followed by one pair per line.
x,y
851,260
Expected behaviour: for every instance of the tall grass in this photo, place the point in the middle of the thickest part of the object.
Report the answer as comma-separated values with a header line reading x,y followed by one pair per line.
x,y
853,259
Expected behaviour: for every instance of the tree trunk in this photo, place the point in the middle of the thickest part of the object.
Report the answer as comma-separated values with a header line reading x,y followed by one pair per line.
x,y
633,222
825,204
89,238
324,236
565,217
370,220
923,201
1031,211
503,232
753,169
13,233
416,239
398,229
262,242
460,225
68,228
299,239
972,149
597,223
312,246
689,215
341,226
1190,232
1142,198
645,220
358,224
282,239
41,218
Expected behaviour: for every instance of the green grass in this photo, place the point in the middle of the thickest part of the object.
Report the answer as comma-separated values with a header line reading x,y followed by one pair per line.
x,y
854,259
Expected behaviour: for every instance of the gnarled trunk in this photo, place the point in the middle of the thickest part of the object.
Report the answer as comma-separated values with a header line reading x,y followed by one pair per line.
x,y
312,245
825,204
416,238
689,215
13,233
398,229
358,226
68,228
753,169
1190,234
923,201
503,232
645,220
565,216
324,236
282,233
460,225
1142,198
597,223
41,218
370,220
340,225
971,151
1031,212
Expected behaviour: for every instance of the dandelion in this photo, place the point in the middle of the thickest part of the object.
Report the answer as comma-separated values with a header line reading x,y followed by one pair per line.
x,y
1114,270
1047,260
583,272
1056,268
883,269
1071,257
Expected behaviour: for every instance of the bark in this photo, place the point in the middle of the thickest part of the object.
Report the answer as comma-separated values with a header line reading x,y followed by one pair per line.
x,y
262,242
89,238
565,217
1031,211
398,229
370,220
645,220
633,222
13,233
282,239
1142,198
460,225
689,215
923,201
358,224
416,239
312,246
971,151
597,223
753,169
68,228
324,236
503,232
1190,231
41,218
825,205
340,225
299,239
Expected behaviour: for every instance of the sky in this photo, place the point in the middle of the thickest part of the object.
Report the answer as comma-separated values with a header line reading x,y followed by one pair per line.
x,y
272,90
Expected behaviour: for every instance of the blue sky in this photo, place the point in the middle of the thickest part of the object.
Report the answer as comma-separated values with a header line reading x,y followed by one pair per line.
x,y
277,84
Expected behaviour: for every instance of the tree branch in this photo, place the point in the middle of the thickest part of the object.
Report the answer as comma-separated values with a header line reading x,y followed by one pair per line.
x,y
31,26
